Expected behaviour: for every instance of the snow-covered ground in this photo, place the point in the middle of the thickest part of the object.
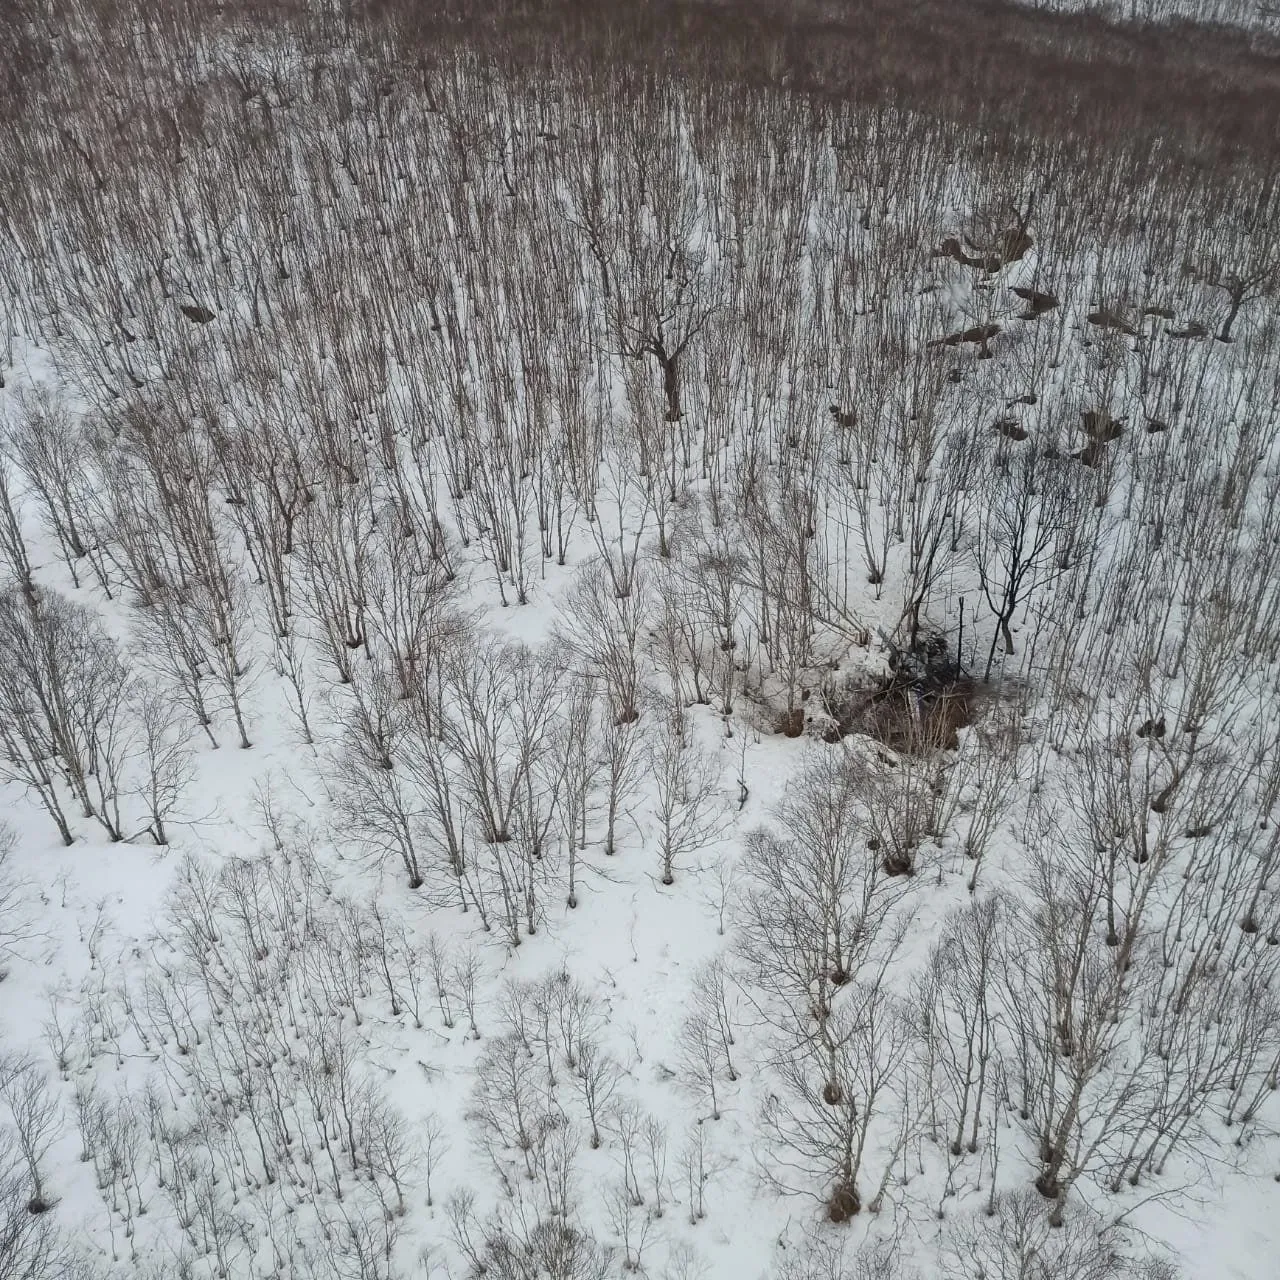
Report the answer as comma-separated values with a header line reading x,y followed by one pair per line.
x,y
626,681
1247,14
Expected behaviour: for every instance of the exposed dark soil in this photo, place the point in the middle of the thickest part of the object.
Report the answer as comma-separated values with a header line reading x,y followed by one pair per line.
x,y
1099,425
979,333
1040,303
791,723
1107,318
1091,454
1011,429
921,706
843,1203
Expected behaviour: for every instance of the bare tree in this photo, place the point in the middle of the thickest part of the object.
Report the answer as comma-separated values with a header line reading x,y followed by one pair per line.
x,y
836,1095
36,1119
688,809
1245,262
520,1241
1023,517
13,547
596,1076
603,628
816,897
578,765
435,1147
44,441
1016,1240
29,1243
164,739
67,709
18,925
707,1034
624,761
818,936
959,1019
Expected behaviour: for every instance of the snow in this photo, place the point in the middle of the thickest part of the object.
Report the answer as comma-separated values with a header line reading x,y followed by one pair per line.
x,y
118,922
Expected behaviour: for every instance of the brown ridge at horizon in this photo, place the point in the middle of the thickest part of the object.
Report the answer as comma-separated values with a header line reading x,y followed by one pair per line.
x,y
1211,92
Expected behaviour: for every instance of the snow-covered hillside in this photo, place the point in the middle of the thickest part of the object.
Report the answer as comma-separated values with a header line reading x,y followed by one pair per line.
x,y
1248,15
607,672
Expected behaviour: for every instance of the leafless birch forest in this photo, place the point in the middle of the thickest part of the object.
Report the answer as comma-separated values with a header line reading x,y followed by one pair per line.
x,y
639,638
